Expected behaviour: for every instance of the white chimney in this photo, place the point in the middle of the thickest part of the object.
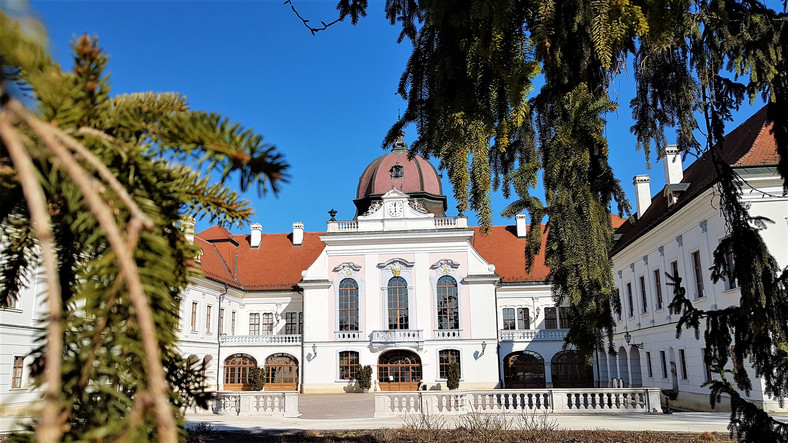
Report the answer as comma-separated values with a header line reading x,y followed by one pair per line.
x,y
257,235
521,226
298,233
187,224
642,193
674,171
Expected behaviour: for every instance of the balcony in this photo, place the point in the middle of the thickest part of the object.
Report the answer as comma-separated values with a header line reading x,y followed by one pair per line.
x,y
532,334
380,225
396,338
447,334
348,336
272,339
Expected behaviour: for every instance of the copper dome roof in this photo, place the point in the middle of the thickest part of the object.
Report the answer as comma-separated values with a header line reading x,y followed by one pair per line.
x,y
396,170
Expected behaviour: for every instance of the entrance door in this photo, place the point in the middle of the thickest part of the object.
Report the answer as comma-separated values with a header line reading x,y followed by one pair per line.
x,y
281,373
399,371
523,370
236,371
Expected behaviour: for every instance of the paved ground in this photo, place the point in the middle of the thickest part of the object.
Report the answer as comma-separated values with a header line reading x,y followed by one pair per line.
x,y
355,411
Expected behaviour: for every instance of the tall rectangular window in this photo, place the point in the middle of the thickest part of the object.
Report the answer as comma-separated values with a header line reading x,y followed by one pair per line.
x,y
508,319
448,306
300,322
232,323
221,321
291,323
550,318
348,365
643,296
683,361
648,365
348,305
630,301
674,269
698,274
523,319
730,280
194,316
658,288
268,323
208,318
16,376
664,364
445,358
398,303
618,296
564,317
706,365
254,324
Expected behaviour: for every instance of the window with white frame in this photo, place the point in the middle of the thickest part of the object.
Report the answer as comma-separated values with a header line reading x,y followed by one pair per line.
x,y
254,323
348,365
648,365
658,288
523,318
550,318
221,321
348,305
696,264
643,295
664,364
194,316
16,376
630,301
683,362
291,323
448,308
397,303
564,317
509,322
208,318
445,358
232,323
268,323
730,263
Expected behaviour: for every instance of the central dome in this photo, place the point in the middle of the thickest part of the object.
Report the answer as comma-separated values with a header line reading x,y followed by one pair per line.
x,y
415,177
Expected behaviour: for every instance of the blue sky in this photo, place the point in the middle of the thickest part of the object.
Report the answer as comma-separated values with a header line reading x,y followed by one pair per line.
x,y
324,101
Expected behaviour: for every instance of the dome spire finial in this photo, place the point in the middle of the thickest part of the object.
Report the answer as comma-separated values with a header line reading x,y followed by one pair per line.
x,y
399,144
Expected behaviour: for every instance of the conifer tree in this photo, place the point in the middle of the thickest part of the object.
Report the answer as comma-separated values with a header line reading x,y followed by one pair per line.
x,y
93,188
467,82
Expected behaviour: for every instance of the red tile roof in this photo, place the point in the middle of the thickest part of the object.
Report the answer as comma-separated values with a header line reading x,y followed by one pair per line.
x,y
275,265
507,252
751,144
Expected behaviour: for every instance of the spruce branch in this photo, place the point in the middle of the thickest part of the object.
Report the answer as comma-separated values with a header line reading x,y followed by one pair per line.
x,y
51,428
157,385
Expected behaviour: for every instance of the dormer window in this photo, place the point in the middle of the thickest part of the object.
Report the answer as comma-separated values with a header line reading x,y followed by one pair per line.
x,y
397,171
673,191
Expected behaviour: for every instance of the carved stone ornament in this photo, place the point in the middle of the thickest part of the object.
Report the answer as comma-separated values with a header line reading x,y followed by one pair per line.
x,y
373,208
396,266
661,250
680,240
347,269
445,266
416,206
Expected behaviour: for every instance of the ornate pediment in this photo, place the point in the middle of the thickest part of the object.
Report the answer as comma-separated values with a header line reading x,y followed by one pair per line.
x,y
347,269
445,266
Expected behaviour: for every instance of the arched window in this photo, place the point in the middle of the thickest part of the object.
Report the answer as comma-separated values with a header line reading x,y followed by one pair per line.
x,y
398,303
348,365
281,373
448,312
348,305
399,371
524,369
236,371
445,358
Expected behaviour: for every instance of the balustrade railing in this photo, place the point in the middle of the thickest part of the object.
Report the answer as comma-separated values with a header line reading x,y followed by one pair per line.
x,y
563,401
398,335
532,334
271,339
447,334
283,404
348,335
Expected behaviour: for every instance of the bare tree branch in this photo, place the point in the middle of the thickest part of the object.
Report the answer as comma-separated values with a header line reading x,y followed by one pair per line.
x,y
51,428
306,22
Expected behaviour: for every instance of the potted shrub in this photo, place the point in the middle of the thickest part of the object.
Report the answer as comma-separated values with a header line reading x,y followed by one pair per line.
x,y
365,378
453,376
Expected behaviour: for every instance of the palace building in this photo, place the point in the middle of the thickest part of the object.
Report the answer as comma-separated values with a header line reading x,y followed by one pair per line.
x,y
408,290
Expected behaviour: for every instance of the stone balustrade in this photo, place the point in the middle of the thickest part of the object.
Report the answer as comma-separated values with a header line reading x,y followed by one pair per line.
x,y
348,336
561,401
532,334
447,334
451,222
270,339
282,404
397,337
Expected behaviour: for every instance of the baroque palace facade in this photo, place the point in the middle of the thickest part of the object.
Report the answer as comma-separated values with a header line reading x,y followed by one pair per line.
x,y
408,290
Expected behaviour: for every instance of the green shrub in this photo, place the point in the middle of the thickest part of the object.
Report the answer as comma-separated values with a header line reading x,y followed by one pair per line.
x,y
256,380
453,376
365,377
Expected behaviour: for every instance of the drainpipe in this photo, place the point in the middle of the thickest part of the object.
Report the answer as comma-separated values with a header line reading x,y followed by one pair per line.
x,y
219,342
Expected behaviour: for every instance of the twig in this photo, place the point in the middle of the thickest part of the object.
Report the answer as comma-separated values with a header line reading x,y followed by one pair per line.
x,y
50,429
157,385
306,22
